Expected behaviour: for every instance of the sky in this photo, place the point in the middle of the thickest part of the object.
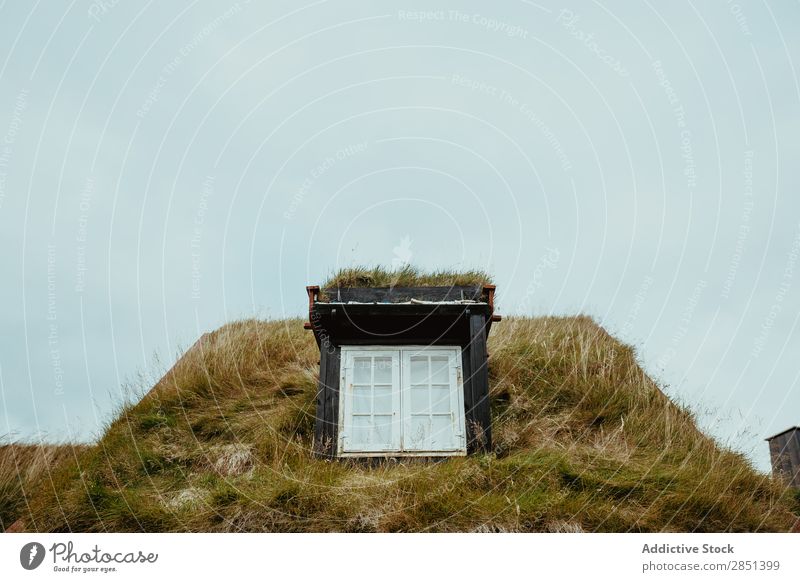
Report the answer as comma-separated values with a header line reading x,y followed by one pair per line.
x,y
168,167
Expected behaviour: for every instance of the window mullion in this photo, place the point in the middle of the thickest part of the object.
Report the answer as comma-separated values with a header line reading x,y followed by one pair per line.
x,y
372,390
454,397
398,421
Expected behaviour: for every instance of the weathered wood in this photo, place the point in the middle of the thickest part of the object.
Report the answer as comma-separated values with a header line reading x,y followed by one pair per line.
x,y
469,396
793,447
784,451
400,294
327,420
479,371
394,309
390,324
322,389
332,405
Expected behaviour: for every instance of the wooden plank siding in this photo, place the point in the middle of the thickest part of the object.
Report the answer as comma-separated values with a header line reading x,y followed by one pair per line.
x,y
479,430
320,419
334,371
784,451
469,396
326,428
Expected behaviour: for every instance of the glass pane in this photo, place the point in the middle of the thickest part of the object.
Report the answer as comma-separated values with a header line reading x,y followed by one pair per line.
x,y
440,370
362,426
382,400
441,431
419,401
383,370
419,369
361,400
382,434
418,431
362,370
440,398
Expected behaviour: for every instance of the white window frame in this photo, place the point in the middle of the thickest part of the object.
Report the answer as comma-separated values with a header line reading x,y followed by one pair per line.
x,y
401,394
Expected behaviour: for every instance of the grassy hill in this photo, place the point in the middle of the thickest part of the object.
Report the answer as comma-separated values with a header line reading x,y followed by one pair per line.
x,y
22,467
584,441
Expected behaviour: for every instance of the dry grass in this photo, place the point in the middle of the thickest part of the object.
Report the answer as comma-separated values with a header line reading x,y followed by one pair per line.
x,y
23,465
584,441
406,276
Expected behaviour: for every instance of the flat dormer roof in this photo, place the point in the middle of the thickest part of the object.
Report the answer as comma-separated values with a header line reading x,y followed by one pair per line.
x,y
455,293
421,312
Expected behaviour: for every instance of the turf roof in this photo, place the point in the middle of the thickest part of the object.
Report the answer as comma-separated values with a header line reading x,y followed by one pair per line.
x,y
407,276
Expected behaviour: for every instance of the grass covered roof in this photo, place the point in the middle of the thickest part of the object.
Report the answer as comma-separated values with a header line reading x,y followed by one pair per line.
x,y
584,440
407,276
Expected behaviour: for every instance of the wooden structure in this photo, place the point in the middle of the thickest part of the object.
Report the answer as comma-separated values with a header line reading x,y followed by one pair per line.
x,y
784,450
391,320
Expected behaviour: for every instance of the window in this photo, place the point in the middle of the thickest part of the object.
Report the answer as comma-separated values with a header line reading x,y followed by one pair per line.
x,y
408,400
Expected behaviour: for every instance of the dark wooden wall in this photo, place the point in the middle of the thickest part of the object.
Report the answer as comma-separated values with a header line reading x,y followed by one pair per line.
x,y
401,294
784,450
326,428
476,386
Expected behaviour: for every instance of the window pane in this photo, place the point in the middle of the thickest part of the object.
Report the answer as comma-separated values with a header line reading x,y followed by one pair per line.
x,y
440,398
362,368
362,426
382,400
382,434
441,431
361,400
375,418
383,370
440,370
419,369
418,431
419,401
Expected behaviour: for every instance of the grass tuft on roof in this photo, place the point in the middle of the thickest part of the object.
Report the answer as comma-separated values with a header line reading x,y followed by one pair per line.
x,y
406,276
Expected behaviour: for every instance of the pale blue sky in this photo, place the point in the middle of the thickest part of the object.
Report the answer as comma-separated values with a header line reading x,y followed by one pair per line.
x,y
167,167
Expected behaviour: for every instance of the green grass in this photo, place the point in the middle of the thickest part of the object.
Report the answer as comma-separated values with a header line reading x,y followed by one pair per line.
x,y
22,468
407,276
584,441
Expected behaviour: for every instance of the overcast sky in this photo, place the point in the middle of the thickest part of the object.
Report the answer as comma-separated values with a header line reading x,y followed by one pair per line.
x,y
168,167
